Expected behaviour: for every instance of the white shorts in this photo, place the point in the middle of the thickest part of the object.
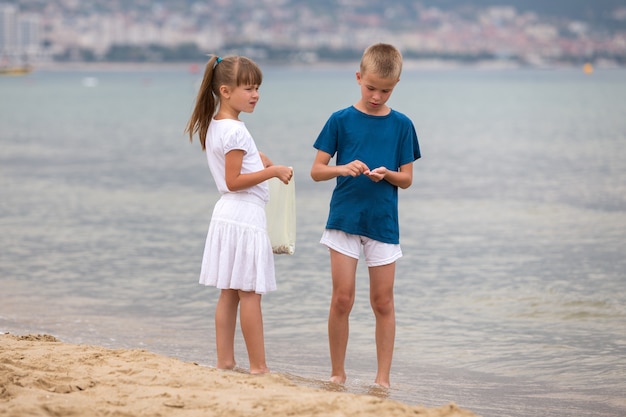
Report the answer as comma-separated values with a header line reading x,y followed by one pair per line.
x,y
376,253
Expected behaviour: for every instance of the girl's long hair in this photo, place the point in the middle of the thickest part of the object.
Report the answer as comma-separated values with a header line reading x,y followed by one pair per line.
x,y
231,71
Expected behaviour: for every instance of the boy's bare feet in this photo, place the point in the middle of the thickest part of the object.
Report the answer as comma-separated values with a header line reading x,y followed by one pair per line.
x,y
382,384
338,379
378,391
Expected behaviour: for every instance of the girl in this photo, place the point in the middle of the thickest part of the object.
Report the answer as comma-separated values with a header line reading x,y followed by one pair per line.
x,y
238,256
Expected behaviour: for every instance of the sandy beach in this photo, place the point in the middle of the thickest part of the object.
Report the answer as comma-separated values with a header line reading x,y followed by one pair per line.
x,y
42,376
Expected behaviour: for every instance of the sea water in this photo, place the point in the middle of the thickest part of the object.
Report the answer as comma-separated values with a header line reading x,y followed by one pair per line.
x,y
510,296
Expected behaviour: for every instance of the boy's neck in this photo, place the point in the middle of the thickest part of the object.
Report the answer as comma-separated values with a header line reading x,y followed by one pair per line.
x,y
383,111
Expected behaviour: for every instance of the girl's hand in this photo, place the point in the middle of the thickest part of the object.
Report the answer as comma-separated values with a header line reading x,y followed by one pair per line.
x,y
377,174
354,168
283,173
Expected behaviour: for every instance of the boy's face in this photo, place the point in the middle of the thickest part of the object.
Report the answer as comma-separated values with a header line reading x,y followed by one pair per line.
x,y
375,91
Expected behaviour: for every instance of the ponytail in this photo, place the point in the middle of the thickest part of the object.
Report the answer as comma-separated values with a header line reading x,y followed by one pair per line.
x,y
206,104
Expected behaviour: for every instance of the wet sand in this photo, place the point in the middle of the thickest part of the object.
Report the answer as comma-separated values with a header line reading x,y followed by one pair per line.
x,y
42,376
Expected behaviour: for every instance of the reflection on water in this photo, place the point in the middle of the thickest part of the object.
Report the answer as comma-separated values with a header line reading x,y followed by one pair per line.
x,y
509,297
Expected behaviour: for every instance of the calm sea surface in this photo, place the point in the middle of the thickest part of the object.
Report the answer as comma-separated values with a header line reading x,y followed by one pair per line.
x,y
511,296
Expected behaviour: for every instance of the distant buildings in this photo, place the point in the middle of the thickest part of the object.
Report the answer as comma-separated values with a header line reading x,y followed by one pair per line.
x,y
20,40
288,31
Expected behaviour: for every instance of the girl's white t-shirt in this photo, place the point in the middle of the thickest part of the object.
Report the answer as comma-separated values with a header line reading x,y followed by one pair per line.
x,y
223,136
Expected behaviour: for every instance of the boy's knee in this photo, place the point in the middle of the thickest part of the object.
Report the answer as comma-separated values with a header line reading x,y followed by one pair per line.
x,y
383,306
342,303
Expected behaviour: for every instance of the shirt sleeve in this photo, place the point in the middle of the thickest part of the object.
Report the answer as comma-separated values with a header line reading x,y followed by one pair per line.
x,y
235,138
328,138
410,145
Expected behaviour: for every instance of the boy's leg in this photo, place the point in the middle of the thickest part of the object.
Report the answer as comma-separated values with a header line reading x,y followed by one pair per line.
x,y
225,323
381,299
252,329
343,271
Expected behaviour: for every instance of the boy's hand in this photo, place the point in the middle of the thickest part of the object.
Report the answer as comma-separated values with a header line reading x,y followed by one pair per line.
x,y
354,168
377,174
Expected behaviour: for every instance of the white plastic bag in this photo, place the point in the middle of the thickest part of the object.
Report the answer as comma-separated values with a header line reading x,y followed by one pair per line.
x,y
281,216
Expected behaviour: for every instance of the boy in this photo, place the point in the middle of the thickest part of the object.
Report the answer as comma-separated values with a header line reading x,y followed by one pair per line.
x,y
375,148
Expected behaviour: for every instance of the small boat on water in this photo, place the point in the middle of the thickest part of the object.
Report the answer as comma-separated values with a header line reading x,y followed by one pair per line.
x,y
16,70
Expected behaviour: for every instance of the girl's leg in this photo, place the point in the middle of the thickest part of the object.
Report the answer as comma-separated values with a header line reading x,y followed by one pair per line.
x,y
252,329
225,323
343,271
381,300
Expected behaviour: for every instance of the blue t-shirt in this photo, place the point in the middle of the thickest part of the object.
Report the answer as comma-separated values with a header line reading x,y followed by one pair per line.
x,y
359,205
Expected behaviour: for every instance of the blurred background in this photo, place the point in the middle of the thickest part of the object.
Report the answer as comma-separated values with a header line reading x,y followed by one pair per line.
x,y
504,32
510,297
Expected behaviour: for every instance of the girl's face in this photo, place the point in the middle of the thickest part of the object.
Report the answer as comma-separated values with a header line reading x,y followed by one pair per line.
x,y
242,98
375,91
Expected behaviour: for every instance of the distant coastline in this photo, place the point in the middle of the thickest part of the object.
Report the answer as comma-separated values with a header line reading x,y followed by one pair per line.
x,y
412,64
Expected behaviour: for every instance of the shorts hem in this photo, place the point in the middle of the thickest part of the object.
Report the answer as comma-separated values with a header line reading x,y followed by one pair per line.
x,y
330,245
378,260
385,261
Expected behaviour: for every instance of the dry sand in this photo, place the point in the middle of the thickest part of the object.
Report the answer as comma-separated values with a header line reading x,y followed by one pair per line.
x,y
41,376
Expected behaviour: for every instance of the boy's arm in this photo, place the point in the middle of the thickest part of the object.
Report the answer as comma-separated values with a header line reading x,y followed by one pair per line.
x,y
402,178
321,171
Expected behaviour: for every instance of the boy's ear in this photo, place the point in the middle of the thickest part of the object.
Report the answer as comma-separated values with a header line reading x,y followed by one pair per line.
x,y
358,77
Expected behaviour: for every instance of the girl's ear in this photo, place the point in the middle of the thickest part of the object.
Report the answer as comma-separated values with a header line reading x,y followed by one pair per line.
x,y
224,91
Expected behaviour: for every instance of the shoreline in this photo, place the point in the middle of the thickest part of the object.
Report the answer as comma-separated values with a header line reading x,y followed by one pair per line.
x,y
41,376
197,67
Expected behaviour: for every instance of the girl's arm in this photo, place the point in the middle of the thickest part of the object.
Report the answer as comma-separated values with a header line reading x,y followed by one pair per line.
x,y
402,178
236,181
266,161
321,171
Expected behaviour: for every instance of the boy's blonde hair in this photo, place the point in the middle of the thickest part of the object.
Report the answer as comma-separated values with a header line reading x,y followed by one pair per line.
x,y
382,59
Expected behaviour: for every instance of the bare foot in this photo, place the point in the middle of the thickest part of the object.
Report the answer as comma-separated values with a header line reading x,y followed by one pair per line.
x,y
338,379
260,371
383,384
226,367
377,390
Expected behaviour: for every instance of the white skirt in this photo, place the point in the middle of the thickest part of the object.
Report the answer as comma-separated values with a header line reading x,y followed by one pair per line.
x,y
238,253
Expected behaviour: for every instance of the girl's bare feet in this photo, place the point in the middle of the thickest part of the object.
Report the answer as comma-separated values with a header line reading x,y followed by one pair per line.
x,y
260,371
226,366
